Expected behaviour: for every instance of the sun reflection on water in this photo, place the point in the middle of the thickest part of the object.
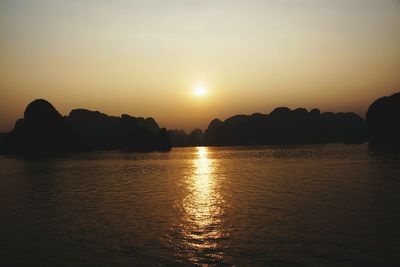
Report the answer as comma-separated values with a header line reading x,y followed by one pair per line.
x,y
201,200
202,227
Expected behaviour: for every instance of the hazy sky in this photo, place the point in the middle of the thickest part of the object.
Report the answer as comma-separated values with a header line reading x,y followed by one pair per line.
x,y
144,57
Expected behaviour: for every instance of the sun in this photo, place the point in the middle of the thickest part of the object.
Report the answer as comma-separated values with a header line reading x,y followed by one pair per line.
x,y
199,91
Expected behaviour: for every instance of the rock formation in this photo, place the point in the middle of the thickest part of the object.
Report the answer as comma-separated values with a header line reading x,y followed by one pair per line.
x,y
383,121
286,127
181,139
44,131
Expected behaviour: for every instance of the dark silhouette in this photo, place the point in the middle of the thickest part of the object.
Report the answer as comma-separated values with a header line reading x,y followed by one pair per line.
x,y
44,131
163,140
286,127
2,137
102,132
196,137
181,139
95,128
383,121
178,138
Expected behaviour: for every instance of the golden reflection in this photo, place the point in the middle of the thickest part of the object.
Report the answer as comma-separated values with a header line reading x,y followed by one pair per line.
x,y
203,210
202,198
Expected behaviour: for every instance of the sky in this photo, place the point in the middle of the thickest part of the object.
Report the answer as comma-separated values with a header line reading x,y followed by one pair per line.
x,y
144,57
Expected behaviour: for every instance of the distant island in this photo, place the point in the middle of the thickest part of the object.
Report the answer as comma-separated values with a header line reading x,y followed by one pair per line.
x,y
286,127
44,131
281,127
179,138
299,126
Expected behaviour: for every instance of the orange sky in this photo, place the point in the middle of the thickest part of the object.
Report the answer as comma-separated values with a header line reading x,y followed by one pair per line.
x,y
144,57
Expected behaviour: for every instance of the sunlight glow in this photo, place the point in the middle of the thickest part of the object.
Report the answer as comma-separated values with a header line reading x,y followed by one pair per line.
x,y
199,91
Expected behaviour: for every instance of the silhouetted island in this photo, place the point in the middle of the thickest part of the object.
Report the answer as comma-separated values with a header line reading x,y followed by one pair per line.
x,y
44,131
102,132
286,127
383,121
179,138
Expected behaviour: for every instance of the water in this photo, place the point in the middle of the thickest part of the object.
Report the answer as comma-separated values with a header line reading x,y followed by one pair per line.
x,y
329,205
